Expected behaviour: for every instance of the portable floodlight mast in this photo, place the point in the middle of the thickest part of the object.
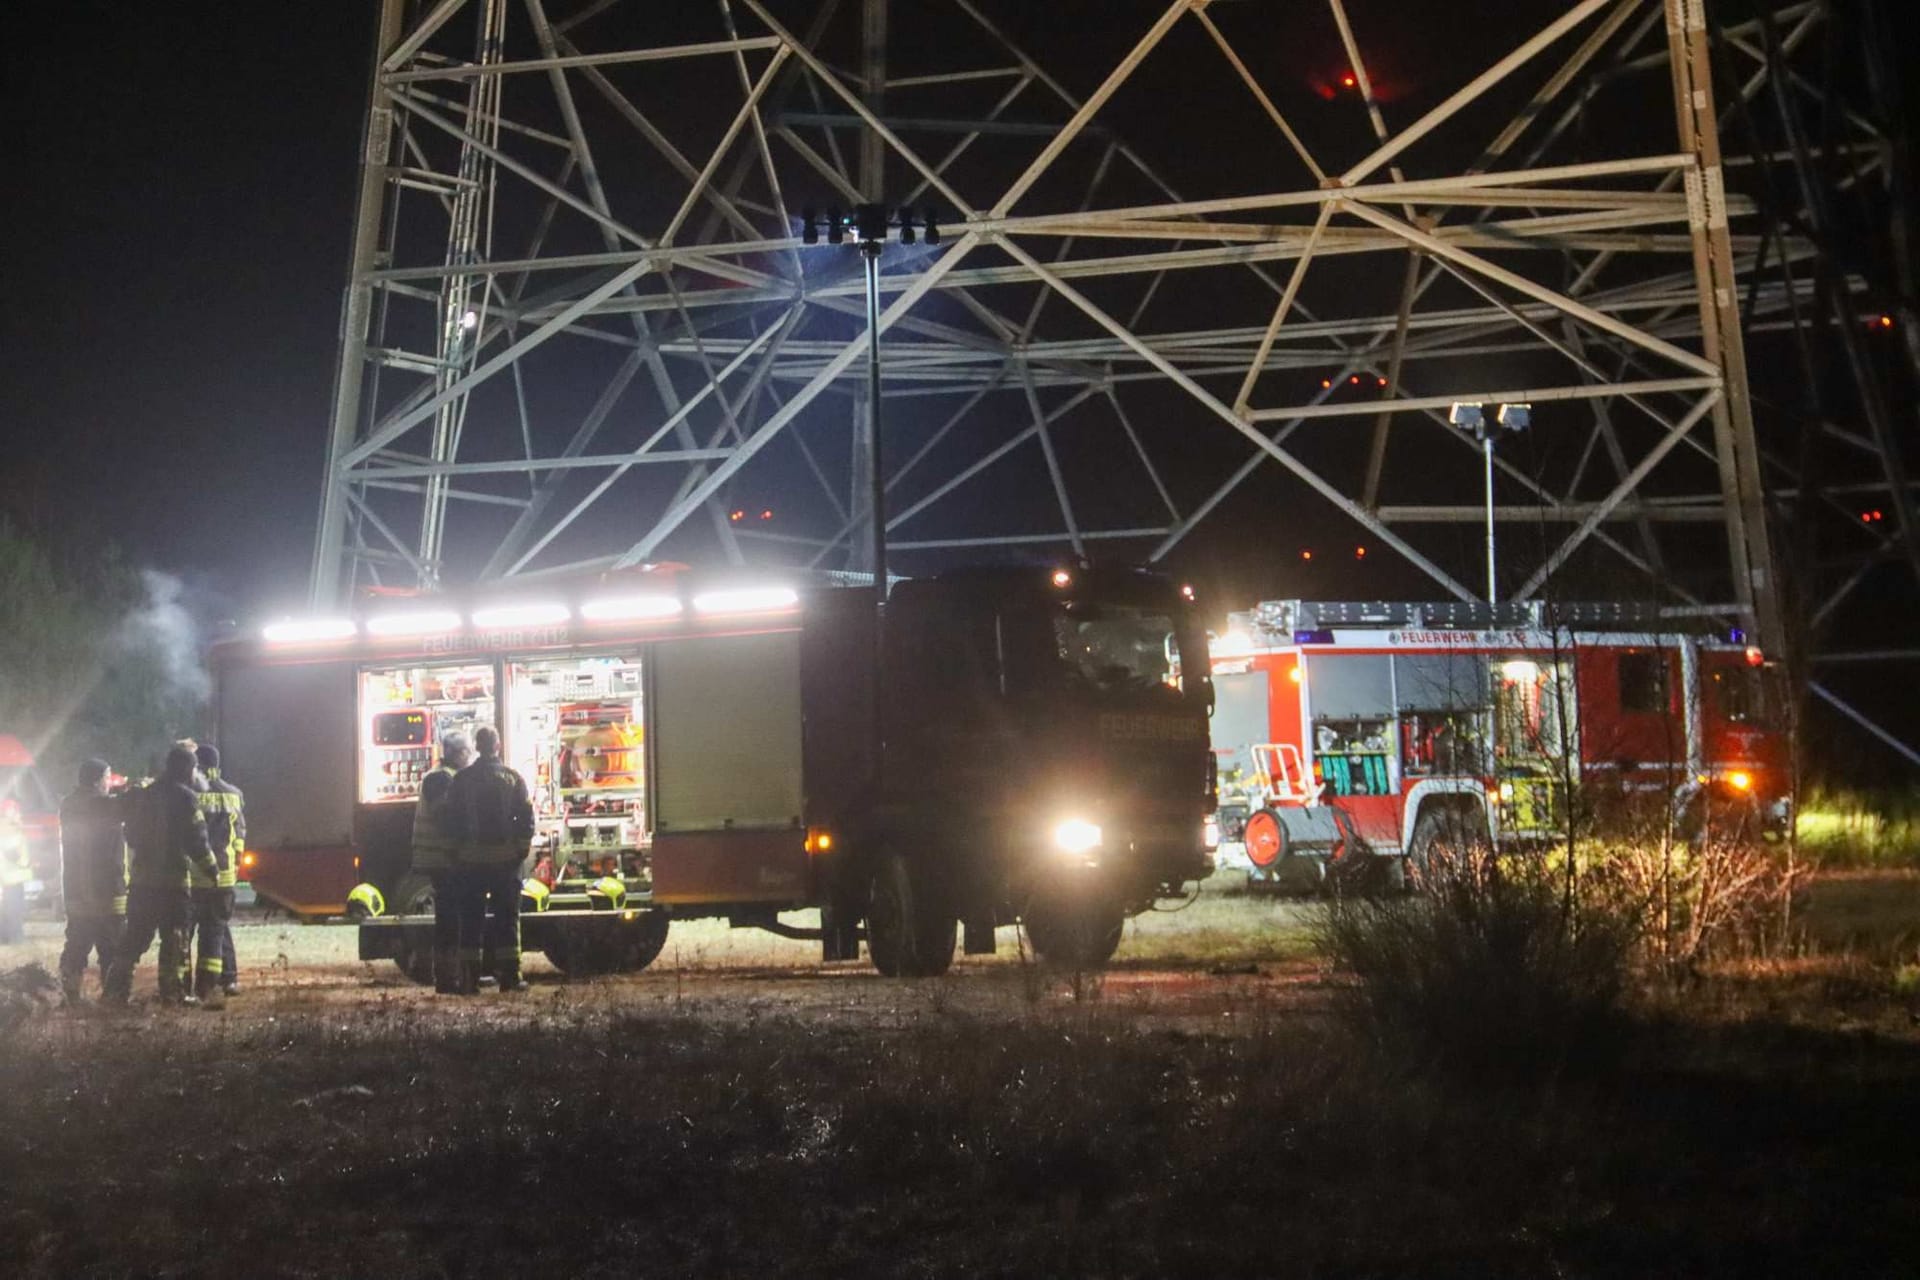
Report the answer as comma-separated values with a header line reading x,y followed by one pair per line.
x,y
1472,419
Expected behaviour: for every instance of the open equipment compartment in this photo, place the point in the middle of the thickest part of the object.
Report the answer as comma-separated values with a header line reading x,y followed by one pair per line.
x,y
576,732
404,713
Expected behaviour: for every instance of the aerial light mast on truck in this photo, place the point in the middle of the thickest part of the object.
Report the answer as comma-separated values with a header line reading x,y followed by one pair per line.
x,y
710,747
1351,735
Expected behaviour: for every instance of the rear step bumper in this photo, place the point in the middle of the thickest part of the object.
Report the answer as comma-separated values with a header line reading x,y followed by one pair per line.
x,y
390,937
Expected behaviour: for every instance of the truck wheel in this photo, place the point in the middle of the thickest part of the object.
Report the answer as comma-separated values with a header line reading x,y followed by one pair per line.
x,y
416,963
413,896
1081,934
647,941
1443,834
580,952
910,931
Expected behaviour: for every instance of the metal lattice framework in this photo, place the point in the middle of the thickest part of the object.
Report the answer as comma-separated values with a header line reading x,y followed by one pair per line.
x,y
581,321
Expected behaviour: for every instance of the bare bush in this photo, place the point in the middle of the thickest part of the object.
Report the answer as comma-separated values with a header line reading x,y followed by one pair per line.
x,y
1715,897
1486,968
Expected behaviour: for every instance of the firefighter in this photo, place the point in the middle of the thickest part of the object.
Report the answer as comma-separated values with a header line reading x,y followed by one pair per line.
x,y
224,808
167,839
16,868
434,852
493,826
93,870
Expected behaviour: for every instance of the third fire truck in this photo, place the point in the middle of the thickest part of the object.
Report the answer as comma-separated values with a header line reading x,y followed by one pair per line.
x,y
1354,735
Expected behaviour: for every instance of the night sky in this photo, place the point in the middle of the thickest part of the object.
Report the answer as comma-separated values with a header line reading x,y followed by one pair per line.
x,y
180,180
180,183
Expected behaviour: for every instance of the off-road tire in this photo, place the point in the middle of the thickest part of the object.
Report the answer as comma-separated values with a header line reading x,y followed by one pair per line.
x,y
413,896
1444,829
416,962
910,928
645,941
1080,934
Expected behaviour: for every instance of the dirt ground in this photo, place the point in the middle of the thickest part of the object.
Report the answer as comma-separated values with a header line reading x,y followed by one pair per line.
x,y
741,1108
1227,955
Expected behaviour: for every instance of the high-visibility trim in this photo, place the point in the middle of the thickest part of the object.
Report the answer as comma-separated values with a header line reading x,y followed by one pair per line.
x,y
367,898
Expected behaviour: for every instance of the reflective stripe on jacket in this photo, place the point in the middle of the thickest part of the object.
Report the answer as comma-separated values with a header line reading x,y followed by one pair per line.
x,y
93,854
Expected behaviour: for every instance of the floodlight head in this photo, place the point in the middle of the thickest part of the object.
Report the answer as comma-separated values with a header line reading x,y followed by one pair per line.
x,y
809,226
906,225
933,226
1516,417
870,222
836,227
1468,417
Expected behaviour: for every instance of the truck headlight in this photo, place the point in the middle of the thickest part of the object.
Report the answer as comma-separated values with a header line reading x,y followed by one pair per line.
x,y
1210,834
1076,835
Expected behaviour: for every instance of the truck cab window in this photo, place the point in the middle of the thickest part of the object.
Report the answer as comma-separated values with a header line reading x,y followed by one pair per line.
x,y
1739,695
1116,648
1643,683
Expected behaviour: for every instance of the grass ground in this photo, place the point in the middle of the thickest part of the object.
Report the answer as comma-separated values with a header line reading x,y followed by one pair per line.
x,y
743,1109
1861,829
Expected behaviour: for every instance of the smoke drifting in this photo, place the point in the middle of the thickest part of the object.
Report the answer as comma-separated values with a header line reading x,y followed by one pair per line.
x,y
163,629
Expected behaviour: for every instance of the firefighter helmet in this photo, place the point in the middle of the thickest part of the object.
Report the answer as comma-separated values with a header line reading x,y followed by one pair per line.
x,y
365,902
608,893
534,895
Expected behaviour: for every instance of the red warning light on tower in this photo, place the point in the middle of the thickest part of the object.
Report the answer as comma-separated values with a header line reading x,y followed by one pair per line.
x,y
1349,81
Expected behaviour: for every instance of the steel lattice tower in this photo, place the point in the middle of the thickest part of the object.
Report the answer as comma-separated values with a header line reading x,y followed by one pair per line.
x,y
580,318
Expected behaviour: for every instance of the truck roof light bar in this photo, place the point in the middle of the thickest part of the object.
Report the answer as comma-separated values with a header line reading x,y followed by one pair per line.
x,y
309,630
636,608
522,615
746,600
414,622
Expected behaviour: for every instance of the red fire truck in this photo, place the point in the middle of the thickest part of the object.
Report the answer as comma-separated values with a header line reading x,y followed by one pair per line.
x,y
1351,735
707,747
39,817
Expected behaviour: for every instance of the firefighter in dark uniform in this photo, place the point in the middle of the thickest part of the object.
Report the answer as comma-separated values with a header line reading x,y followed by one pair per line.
x,y
224,808
436,854
167,840
93,873
493,826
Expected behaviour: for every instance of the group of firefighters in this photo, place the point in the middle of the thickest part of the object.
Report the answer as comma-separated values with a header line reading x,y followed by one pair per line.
x,y
156,859
160,859
472,829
